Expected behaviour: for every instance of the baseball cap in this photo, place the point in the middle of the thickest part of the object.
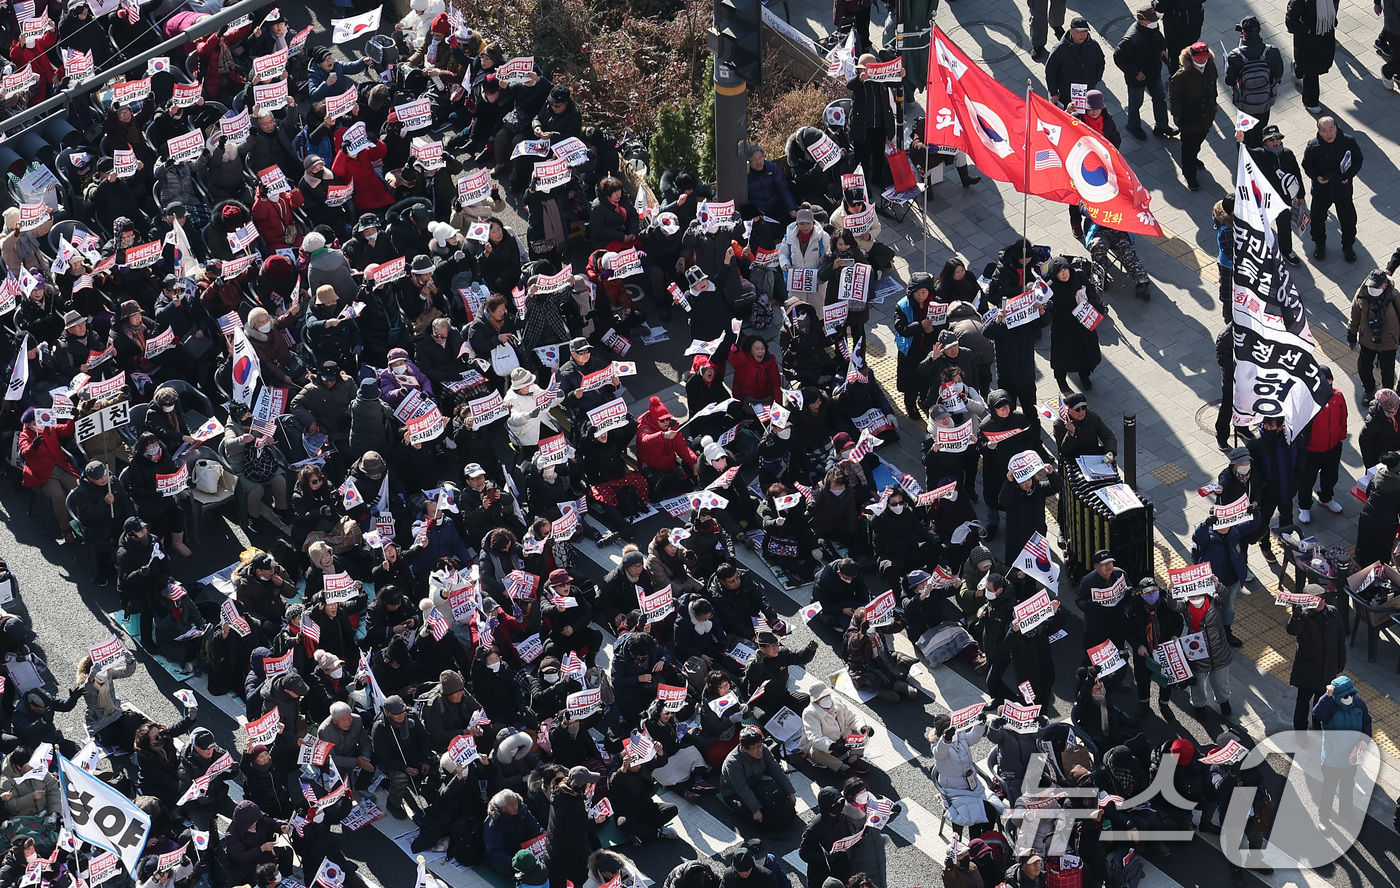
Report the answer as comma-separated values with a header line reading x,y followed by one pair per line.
x,y
473,470
580,345
1103,556
1079,23
1199,49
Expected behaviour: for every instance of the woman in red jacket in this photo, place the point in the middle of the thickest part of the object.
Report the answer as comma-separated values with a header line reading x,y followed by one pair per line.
x,y
34,52
756,376
666,460
275,218
359,170
1324,454
46,466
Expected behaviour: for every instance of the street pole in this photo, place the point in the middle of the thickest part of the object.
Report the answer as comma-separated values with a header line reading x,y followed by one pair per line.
x,y
731,134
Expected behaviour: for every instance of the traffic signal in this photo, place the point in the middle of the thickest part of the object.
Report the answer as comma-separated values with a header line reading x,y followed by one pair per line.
x,y
738,38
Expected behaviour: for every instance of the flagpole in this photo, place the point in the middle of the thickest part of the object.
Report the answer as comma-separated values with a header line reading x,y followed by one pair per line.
x,y
1026,180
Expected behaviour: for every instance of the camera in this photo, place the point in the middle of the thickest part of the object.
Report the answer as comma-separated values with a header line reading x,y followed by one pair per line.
x,y
1375,324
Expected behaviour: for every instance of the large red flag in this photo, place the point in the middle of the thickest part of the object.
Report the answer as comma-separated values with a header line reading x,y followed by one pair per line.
x,y
1071,162
969,110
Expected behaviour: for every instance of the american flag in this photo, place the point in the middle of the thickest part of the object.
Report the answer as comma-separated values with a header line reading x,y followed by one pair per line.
x,y
845,349
299,824
177,591
84,282
572,665
911,486
1045,159
308,792
641,747
131,9
1064,411
230,322
310,629
241,238
864,448
803,489
760,624
1037,548
437,624
762,412
884,807
485,631
263,428
84,240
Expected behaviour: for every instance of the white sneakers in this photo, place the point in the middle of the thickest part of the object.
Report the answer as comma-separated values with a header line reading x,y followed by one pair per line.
x,y
1334,508
1305,517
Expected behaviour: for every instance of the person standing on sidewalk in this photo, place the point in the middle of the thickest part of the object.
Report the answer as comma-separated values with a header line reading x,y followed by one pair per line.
x,y
1388,41
1202,614
1313,24
1150,623
1322,651
1278,465
1225,550
1076,59
1341,714
1193,101
1374,331
1140,55
1280,167
1253,71
1181,25
1332,160
1045,13
1322,458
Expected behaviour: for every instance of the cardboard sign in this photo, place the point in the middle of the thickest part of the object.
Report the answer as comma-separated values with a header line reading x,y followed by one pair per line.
x,y
415,115
236,128
966,716
516,71
1231,514
855,283
825,152
429,153
1197,579
160,342
339,195
848,842
885,72
1107,657
174,483
488,409
422,429
264,730
272,64
1025,465
274,180
835,314
582,704
1110,595
474,188
338,105
106,653
609,416
627,263
672,698
801,280
124,160
572,151
860,223
79,65
657,605
186,95
1087,315
880,611
956,439
1021,310
277,665
131,91
1173,660
1034,611
338,588
186,148
356,139
1297,599
550,174
390,271
1228,754
1021,719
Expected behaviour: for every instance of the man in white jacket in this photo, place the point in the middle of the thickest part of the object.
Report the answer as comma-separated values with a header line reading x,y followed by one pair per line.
x,y
828,726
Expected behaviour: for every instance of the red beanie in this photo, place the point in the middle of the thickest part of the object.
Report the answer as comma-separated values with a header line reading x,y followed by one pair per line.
x,y
440,24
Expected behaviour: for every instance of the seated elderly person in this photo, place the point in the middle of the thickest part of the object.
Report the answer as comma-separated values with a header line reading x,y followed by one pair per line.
x,y
401,378
969,801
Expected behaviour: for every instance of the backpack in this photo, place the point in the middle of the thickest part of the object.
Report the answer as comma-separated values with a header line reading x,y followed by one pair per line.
x,y
1254,90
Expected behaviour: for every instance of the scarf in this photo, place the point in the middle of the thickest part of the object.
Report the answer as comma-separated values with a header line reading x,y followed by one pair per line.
x,y
1101,700
225,57
544,325
1326,17
1198,615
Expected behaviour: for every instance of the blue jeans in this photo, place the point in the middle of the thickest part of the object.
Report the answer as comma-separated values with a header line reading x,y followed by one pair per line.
x,y
1226,603
1152,85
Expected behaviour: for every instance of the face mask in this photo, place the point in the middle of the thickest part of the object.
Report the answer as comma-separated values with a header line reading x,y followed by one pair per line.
x,y
1374,291
1346,701
1150,598
494,667
551,677
784,433
1276,149
863,799
897,508
826,702
1199,66
265,328
398,369
1197,601
372,237
168,408
1150,25
992,594
337,672
29,42
153,454
953,497
550,474
703,627
1242,471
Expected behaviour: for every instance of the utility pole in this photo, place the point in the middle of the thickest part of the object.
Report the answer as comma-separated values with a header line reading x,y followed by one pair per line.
x,y
737,42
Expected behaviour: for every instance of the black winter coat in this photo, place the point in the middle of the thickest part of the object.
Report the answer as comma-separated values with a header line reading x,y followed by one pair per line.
x,y
1141,51
1073,347
1312,53
1322,647
1071,63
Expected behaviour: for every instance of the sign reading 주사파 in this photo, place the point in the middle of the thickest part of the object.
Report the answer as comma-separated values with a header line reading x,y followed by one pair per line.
x,y
144,255
425,428
264,730
1107,657
1172,659
672,698
174,483
1198,579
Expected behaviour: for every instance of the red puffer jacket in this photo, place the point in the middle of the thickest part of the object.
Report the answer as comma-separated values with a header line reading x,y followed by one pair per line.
x,y
654,449
41,451
754,379
1329,427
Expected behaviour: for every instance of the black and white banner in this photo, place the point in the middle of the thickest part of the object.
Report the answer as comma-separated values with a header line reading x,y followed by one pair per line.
x,y
1276,373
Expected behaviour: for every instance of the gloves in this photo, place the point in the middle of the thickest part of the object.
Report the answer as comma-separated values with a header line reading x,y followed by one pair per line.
x,y
868,731
838,748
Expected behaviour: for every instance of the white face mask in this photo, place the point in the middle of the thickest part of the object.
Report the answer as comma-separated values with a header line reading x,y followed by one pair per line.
x,y
1199,66
992,594
264,328
494,667
703,627
168,408
897,508
550,474
863,799
1151,25
826,702
784,433
1242,471
1374,291
372,237
953,497
551,677
337,672
1197,601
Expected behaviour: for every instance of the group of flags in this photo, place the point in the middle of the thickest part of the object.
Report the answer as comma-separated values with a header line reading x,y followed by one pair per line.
x,y
1030,143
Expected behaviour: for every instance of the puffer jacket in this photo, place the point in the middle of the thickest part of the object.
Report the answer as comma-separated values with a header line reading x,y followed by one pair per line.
x,y
822,727
21,801
1329,426
1219,654
654,449
791,253
1193,95
100,693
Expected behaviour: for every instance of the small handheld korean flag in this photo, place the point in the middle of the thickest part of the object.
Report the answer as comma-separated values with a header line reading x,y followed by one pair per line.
x,y
19,376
